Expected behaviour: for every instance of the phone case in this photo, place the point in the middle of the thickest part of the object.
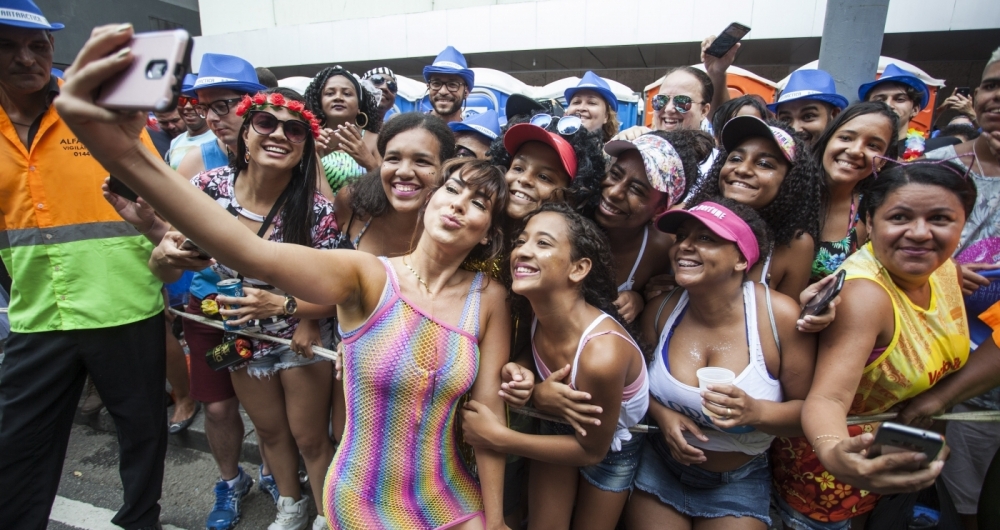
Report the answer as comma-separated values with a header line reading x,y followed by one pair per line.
x,y
153,80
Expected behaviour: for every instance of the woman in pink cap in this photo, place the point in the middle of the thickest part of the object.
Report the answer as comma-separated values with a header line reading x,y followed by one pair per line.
x,y
710,460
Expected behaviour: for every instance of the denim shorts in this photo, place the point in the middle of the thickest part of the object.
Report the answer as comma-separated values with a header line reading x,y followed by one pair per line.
x,y
616,472
792,519
695,492
280,358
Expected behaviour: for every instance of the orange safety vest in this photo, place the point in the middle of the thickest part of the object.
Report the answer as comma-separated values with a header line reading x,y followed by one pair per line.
x,y
75,264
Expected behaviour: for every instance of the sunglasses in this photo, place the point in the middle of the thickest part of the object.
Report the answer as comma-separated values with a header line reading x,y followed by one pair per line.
x,y
681,103
220,107
266,123
378,80
182,101
565,125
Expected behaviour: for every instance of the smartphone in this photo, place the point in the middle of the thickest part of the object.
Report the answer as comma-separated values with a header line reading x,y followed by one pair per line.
x,y
822,300
190,245
964,90
727,39
119,188
153,80
895,438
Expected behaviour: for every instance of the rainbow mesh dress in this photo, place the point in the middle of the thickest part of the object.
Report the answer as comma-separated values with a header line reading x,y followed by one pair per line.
x,y
399,465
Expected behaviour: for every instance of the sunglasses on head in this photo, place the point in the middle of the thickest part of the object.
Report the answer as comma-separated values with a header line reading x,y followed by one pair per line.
x,y
681,103
182,101
266,123
378,80
565,125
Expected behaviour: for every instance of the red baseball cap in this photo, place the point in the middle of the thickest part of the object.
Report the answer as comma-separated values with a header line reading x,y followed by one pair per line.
x,y
721,221
519,134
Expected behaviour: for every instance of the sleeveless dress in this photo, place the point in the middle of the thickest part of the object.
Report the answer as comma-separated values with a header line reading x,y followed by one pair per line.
x,y
926,345
399,464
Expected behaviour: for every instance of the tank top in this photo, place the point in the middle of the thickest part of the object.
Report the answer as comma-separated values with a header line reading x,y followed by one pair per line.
x,y
685,399
635,397
398,465
926,345
213,156
831,254
341,169
630,282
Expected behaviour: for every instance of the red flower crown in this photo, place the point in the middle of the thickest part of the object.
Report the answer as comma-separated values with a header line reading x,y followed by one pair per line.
x,y
261,101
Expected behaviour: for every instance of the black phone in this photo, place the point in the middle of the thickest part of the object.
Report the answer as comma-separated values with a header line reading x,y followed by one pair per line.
x,y
895,438
119,188
964,90
190,245
822,300
727,39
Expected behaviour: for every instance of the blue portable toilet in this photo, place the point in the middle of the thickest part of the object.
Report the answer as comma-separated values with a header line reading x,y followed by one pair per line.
x,y
628,100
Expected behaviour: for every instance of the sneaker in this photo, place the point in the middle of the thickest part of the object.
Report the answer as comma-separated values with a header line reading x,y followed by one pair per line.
x,y
320,523
226,512
267,484
291,515
92,402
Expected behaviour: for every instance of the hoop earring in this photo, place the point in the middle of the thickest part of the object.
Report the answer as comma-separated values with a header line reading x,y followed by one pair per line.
x,y
366,120
246,158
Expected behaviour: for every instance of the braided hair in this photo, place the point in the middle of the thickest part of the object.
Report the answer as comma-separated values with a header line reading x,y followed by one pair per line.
x,y
796,207
367,104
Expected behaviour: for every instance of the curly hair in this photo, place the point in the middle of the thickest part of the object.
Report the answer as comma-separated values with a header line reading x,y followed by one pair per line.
x,y
297,213
583,191
749,216
367,103
728,110
694,146
796,207
367,195
587,240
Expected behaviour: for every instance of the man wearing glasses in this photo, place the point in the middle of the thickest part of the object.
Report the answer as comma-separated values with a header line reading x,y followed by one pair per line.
x,y
196,132
449,81
383,79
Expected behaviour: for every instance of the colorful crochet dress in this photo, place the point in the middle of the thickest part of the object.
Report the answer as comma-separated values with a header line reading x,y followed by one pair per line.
x,y
399,465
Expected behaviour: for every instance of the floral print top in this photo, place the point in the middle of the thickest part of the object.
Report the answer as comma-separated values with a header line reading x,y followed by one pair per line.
x,y
830,254
218,184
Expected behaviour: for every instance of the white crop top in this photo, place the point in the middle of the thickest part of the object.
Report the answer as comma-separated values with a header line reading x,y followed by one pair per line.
x,y
635,396
754,380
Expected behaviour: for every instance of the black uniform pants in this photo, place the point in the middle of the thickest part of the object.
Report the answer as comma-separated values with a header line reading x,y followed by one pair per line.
x,y
41,379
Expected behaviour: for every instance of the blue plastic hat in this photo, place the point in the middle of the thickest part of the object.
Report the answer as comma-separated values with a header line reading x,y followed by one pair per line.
x,y
187,85
25,14
227,71
592,81
451,62
895,74
810,84
485,123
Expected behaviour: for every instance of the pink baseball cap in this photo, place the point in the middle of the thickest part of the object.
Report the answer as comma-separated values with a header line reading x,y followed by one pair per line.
x,y
522,133
721,221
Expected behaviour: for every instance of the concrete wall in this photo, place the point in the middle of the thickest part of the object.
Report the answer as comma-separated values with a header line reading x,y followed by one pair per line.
x,y
80,16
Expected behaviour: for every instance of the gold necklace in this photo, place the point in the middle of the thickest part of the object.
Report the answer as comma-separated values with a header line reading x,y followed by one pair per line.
x,y
415,273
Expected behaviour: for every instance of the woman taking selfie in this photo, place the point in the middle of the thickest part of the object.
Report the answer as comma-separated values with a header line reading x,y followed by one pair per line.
x,y
900,328
374,304
708,467
561,264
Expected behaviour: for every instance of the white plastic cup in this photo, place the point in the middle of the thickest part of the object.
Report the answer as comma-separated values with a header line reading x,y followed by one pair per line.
x,y
713,375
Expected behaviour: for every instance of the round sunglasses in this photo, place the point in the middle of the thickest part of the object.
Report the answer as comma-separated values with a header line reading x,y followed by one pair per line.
x,y
266,123
378,80
681,103
565,125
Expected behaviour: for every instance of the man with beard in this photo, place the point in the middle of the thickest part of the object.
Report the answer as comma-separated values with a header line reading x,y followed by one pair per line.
x,y
449,81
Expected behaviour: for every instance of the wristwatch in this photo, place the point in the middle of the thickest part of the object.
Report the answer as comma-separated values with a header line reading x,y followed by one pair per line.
x,y
291,306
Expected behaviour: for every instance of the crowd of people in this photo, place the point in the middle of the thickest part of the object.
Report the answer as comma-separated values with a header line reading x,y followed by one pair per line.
x,y
468,270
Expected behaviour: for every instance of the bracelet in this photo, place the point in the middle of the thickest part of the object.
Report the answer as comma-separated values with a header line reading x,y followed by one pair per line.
x,y
824,438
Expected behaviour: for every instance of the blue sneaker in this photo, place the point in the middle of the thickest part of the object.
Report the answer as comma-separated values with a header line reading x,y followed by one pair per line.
x,y
226,512
267,485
